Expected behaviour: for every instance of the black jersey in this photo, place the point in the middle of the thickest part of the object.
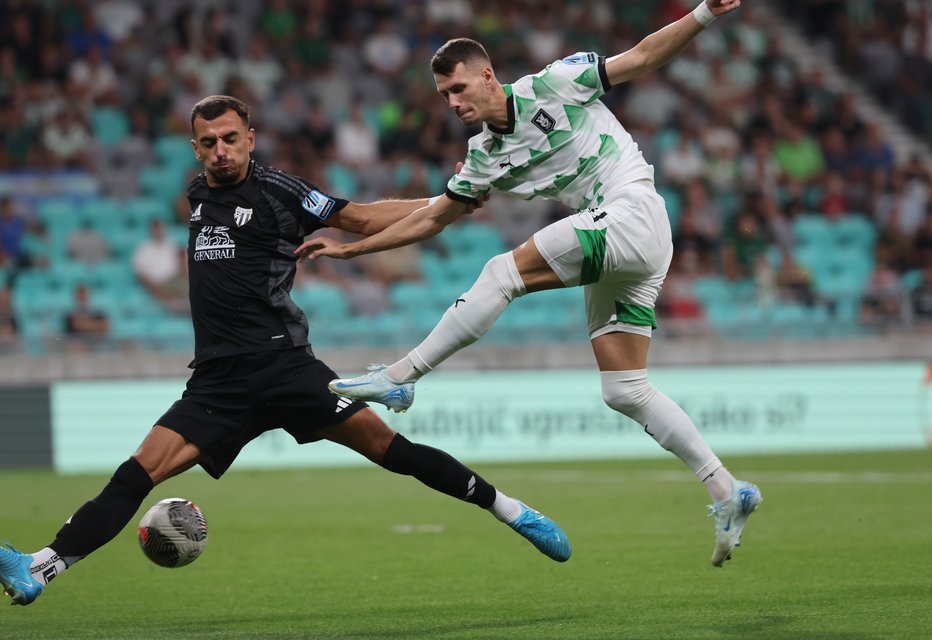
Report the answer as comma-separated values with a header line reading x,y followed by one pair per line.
x,y
241,260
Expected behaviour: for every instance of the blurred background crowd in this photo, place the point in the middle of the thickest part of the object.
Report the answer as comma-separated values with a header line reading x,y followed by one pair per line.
x,y
789,141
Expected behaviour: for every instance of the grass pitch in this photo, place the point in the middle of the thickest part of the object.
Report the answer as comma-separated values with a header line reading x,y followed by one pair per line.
x,y
841,549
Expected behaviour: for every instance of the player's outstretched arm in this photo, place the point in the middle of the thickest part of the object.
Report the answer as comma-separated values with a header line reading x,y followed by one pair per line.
x,y
660,47
420,224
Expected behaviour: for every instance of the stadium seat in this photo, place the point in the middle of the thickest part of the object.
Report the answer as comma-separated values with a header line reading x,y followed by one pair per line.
x,y
855,230
102,213
139,212
175,153
109,125
712,290
322,300
162,183
811,230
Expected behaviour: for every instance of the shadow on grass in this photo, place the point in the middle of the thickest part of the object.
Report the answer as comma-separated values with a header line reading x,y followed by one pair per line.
x,y
232,628
776,628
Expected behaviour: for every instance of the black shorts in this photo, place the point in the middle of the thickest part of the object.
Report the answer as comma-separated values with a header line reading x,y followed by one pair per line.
x,y
230,401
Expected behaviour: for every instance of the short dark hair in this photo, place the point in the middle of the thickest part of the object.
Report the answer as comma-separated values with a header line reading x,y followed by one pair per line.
x,y
455,51
212,107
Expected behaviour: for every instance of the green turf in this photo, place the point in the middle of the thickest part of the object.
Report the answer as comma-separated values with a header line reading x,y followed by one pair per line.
x,y
841,549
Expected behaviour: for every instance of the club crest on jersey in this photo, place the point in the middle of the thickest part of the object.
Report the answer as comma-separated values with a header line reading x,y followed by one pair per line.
x,y
196,214
241,216
543,121
318,204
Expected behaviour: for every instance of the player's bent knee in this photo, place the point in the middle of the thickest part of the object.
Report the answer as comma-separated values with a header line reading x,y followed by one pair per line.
x,y
503,271
627,394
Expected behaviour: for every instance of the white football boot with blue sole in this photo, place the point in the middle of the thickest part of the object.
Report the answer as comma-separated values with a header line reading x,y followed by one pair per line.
x,y
375,386
730,518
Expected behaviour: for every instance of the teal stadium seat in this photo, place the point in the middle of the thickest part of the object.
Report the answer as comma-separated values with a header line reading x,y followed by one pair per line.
x,y
162,183
855,230
674,204
812,230
713,290
139,212
175,153
322,302
109,125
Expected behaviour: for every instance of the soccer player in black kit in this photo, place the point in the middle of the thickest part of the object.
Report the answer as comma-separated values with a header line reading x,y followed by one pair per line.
x,y
253,366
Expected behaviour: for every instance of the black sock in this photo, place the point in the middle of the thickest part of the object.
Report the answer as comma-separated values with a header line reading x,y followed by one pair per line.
x,y
438,470
98,521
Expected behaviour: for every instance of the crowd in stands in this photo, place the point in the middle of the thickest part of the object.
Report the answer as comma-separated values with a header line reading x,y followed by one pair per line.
x,y
761,165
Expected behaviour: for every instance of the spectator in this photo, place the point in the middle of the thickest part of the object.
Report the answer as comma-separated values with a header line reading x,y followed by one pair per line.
x,y
920,299
260,70
86,245
385,50
85,325
685,162
357,143
9,330
12,231
797,154
156,264
93,77
874,153
67,140
882,301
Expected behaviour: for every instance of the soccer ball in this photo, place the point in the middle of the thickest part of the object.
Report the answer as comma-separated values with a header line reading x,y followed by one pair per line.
x,y
173,532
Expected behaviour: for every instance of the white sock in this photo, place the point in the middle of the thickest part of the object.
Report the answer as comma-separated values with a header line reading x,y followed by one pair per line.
x,y
504,508
404,371
471,315
46,564
720,483
630,393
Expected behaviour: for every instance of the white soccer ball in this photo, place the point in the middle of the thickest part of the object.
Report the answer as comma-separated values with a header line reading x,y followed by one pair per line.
x,y
173,532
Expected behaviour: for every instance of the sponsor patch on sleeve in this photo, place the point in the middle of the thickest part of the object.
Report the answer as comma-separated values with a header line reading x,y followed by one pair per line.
x,y
318,204
580,58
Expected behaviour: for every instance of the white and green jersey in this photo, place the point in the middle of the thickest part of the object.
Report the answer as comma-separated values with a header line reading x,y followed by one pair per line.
x,y
561,142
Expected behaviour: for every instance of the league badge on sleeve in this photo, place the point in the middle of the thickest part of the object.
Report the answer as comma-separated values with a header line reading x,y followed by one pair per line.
x,y
318,204
580,58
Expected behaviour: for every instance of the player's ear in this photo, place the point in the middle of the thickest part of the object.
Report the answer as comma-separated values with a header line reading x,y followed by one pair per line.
x,y
251,136
197,152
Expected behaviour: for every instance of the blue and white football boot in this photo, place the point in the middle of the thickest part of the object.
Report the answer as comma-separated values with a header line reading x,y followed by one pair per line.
x,y
543,533
375,386
730,518
15,577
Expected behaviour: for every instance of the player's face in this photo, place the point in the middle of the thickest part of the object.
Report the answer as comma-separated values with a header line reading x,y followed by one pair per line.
x,y
223,145
467,91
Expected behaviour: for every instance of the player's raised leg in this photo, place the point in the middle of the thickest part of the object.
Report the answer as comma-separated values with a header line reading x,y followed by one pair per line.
x,y
503,279
365,433
162,454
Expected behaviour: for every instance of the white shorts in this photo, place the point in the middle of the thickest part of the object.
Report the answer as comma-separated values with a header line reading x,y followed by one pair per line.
x,y
620,252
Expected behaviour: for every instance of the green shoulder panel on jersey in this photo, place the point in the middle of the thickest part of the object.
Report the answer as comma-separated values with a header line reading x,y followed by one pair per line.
x,y
524,107
589,78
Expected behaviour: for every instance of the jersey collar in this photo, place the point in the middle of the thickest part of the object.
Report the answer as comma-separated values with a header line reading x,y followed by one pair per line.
x,y
510,105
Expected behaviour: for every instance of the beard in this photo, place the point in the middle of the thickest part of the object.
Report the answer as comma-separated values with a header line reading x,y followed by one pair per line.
x,y
226,176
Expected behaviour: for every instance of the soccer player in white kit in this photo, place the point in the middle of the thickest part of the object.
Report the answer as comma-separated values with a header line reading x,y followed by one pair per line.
x,y
547,135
